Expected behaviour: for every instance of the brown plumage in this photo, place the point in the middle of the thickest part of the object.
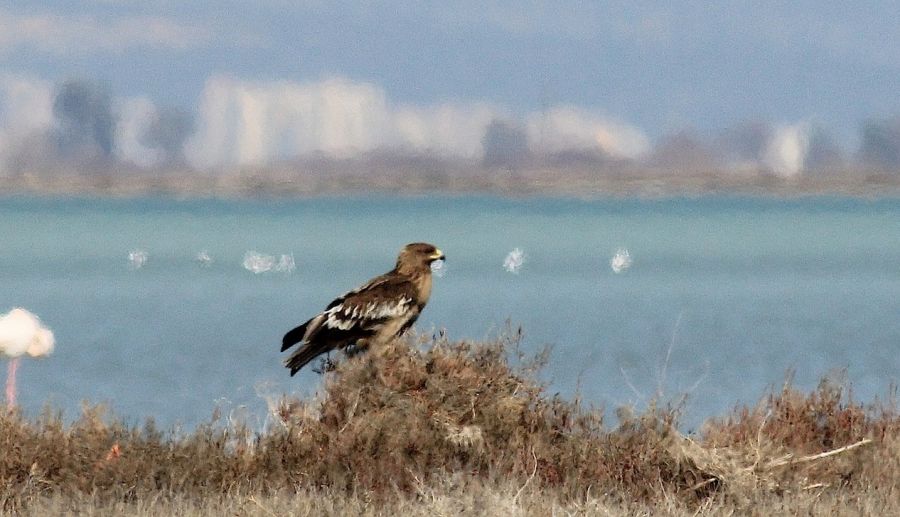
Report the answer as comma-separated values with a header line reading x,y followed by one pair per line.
x,y
372,314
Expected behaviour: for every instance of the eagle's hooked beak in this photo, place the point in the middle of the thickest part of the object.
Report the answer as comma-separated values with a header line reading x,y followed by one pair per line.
x,y
437,255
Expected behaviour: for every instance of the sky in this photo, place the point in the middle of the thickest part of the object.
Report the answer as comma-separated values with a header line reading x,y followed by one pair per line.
x,y
270,79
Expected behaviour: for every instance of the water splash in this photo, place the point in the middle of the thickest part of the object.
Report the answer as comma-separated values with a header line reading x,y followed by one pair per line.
x,y
204,258
621,261
137,258
513,262
438,268
286,264
257,263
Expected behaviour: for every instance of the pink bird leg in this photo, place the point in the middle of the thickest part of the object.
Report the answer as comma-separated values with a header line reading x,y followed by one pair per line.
x,y
11,382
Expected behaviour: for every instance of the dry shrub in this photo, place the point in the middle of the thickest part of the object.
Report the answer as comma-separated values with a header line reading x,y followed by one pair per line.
x,y
388,424
404,416
793,441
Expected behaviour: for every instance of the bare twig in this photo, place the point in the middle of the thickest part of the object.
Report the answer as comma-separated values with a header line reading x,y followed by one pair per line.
x,y
352,411
813,457
260,505
533,472
702,484
661,385
759,432
628,382
787,459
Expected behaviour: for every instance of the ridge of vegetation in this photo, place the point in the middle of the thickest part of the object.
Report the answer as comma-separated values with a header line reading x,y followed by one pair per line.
x,y
436,426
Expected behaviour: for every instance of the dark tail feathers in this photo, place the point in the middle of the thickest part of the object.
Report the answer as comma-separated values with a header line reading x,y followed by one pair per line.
x,y
293,337
304,355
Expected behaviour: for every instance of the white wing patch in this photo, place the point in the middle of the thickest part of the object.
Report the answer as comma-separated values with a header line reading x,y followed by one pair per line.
x,y
345,318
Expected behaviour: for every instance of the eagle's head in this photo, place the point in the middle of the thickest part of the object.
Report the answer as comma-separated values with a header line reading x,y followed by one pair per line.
x,y
418,256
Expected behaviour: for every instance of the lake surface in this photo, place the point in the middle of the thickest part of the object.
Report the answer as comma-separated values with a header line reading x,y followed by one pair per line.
x,y
724,295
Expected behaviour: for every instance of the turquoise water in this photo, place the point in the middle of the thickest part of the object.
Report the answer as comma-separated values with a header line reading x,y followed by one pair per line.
x,y
725,295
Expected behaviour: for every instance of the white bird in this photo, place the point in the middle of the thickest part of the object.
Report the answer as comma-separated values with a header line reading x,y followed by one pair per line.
x,y
21,332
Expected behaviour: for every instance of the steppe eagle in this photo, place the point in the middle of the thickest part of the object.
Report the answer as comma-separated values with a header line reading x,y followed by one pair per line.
x,y
372,314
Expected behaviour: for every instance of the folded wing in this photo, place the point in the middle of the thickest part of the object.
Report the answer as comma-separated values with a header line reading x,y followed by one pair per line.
x,y
384,307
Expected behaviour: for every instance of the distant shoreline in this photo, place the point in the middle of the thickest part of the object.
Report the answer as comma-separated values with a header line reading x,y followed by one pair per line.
x,y
579,184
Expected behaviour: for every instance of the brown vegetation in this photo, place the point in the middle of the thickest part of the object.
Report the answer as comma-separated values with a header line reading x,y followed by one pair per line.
x,y
436,426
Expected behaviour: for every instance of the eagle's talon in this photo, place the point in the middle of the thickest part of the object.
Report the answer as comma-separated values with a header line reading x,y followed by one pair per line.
x,y
326,364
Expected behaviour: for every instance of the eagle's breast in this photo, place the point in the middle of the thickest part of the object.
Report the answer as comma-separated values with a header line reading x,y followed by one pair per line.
x,y
422,282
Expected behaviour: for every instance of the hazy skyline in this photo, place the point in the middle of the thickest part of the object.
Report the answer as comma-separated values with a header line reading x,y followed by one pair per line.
x,y
272,79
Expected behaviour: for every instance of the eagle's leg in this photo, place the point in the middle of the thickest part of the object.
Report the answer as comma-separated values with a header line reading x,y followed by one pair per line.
x,y
356,348
326,364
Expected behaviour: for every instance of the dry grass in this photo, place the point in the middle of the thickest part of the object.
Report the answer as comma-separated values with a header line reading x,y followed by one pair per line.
x,y
443,427
474,499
